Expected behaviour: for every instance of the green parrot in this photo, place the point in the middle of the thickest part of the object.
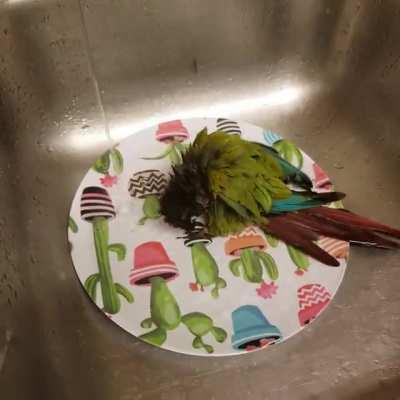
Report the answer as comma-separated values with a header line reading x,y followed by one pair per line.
x,y
226,183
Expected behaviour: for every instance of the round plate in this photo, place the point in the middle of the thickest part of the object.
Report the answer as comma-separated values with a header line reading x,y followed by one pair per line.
x,y
236,294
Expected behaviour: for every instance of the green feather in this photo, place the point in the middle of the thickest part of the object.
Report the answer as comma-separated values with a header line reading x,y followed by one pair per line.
x,y
241,173
223,220
230,183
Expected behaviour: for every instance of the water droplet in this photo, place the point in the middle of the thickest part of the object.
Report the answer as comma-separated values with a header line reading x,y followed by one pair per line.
x,y
338,165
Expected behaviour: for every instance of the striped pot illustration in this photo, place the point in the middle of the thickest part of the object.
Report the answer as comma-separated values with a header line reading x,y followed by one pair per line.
x,y
336,248
313,298
172,134
148,185
287,149
228,126
251,261
97,208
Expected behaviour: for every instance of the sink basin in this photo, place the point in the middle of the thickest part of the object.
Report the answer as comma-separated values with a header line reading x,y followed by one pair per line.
x,y
79,76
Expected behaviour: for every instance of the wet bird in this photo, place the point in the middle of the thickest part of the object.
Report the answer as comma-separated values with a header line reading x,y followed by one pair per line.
x,y
225,183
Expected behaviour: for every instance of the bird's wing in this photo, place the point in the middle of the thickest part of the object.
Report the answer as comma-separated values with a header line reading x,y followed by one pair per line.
x,y
303,200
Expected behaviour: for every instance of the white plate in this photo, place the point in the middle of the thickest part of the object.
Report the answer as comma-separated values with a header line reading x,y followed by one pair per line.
x,y
252,311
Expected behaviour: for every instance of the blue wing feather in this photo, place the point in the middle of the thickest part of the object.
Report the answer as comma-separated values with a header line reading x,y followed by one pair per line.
x,y
298,201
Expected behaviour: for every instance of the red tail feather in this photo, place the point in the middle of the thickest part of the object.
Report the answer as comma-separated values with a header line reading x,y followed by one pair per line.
x,y
301,229
299,237
349,218
342,231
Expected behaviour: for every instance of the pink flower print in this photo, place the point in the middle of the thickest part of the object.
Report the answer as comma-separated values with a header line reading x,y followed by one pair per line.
x,y
193,287
267,290
109,180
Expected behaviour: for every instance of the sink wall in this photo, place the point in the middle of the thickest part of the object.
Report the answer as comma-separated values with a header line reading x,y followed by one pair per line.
x,y
77,76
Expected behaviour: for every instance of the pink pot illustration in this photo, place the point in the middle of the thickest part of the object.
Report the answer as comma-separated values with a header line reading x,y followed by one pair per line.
x,y
151,260
172,131
173,134
313,298
152,266
321,179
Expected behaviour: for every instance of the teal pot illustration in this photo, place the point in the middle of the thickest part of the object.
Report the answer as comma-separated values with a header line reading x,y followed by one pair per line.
x,y
149,186
252,330
97,208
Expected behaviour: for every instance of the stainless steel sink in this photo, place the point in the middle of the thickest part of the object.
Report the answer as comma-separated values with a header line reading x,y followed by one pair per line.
x,y
76,76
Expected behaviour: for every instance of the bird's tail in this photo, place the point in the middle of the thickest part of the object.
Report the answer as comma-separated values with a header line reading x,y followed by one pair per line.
x,y
303,228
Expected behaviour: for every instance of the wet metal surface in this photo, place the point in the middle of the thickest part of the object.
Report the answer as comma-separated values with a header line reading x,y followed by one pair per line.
x,y
77,76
